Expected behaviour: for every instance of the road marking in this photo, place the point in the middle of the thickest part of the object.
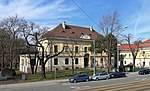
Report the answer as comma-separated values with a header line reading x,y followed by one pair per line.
x,y
75,87
86,86
124,86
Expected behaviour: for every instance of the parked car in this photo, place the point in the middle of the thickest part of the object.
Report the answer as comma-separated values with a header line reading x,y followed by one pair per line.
x,y
117,74
79,77
144,71
99,76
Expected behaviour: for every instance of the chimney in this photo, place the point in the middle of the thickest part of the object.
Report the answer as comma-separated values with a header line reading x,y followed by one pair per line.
x,y
91,28
64,25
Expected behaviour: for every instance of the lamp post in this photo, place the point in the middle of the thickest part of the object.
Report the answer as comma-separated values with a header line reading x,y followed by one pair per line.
x,y
118,62
94,59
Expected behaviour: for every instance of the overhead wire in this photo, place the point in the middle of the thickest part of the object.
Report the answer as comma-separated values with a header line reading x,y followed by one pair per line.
x,y
84,12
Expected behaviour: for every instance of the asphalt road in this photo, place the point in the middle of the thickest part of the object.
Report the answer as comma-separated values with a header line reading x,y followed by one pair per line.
x,y
63,85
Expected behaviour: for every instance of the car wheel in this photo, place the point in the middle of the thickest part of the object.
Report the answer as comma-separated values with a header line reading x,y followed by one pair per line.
x,y
96,79
87,80
106,78
75,81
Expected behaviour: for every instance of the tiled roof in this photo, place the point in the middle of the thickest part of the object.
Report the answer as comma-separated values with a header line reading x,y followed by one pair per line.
x,y
147,41
71,32
126,46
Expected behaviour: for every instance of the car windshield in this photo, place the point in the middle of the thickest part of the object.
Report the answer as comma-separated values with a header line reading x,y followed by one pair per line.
x,y
77,75
96,74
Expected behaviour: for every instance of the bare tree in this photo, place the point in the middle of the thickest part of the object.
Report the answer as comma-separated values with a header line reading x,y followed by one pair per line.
x,y
12,25
72,50
134,48
33,36
111,28
4,37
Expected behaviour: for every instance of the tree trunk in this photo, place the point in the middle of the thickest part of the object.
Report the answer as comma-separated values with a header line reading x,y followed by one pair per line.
x,y
43,64
43,71
72,65
32,65
109,62
11,64
134,63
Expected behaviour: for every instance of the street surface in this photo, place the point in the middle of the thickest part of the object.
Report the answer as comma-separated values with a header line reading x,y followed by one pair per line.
x,y
64,85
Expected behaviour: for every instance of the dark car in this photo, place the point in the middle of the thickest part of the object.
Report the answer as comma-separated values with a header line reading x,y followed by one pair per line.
x,y
144,71
117,74
79,77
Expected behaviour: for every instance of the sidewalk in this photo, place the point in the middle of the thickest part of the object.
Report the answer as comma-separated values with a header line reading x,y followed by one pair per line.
x,y
39,83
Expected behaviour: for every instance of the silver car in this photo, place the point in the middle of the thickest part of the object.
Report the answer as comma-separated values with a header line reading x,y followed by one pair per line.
x,y
99,76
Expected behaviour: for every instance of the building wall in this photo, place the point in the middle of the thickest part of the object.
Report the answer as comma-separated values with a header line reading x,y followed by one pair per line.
x,y
142,56
49,46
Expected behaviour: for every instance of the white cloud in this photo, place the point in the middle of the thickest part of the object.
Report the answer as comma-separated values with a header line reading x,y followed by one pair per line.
x,y
37,10
139,22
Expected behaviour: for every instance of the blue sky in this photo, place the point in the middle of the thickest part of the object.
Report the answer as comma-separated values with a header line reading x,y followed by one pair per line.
x,y
132,13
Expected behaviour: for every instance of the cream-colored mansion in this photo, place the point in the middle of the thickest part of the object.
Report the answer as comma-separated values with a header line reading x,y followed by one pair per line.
x,y
78,39
143,56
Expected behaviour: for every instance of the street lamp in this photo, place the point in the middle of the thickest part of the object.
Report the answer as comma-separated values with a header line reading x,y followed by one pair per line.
x,y
94,59
118,62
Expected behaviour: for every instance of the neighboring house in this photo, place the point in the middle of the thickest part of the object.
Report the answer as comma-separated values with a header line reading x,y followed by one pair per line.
x,y
77,41
143,56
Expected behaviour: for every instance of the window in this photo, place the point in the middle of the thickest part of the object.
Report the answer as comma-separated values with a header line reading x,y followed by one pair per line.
x,y
66,61
55,48
56,61
76,61
76,49
22,62
85,49
129,55
26,62
66,48
143,53
124,62
56,69
66,68
101,60
77,67
125,55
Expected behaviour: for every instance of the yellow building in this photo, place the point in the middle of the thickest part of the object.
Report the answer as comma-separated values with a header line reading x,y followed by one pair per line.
x,y
77,41
142,58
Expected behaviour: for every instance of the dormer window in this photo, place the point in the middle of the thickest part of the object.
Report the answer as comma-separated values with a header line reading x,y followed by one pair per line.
x,y
63,31
73,33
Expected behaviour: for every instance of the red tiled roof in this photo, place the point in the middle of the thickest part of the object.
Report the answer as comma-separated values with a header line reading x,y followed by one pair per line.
x,y
145,45
71,32
126,46
147,41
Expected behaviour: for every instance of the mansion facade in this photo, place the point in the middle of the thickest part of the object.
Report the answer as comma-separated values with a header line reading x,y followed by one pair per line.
x,y
142,58
77,41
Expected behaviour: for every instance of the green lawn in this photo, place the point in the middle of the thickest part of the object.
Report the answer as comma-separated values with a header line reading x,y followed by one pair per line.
x,y
57,75
65,74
